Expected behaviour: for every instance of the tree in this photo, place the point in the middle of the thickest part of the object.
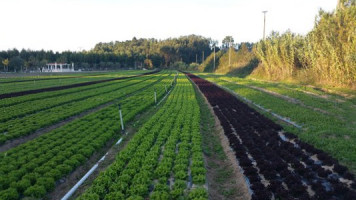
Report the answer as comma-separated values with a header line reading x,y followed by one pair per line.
x,y
148,63
6,64
226,42
16,63
31,63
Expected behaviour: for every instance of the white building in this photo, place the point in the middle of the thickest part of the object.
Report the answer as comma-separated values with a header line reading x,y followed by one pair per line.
x,y
58,67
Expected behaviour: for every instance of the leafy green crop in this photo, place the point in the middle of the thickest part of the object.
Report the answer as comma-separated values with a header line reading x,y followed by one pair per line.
x,y
165,154
31,169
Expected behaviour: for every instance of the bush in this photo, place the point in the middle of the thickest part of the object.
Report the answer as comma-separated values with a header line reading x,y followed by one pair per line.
x,y
180,65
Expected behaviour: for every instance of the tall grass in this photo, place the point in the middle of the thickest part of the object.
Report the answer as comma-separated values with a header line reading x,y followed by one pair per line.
x,y
326,55
238,59
208,64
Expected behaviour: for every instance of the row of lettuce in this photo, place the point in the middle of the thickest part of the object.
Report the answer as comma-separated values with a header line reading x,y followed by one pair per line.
x,y
163,160
34,168
327,121
18,84
25,118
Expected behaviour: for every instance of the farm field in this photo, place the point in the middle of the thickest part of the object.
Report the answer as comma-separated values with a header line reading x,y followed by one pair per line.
x,y
326,119
47,111
184,138
17,84
276,163
165,155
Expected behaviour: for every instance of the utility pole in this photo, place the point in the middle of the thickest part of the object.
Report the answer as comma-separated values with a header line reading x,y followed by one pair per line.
x,y
264,24
230,52
202,60
214,57
196,58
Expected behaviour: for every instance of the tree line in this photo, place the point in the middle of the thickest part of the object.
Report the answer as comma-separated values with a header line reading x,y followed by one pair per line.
x,y
135,53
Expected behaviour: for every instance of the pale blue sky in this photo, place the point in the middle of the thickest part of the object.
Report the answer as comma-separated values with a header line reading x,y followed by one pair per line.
x,y
80,24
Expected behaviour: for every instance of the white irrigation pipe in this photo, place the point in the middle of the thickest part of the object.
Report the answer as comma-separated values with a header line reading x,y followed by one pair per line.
x,y
119,141
165,96
85,177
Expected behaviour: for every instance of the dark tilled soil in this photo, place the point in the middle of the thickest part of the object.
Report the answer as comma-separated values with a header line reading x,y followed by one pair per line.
x,y
27,92
276,164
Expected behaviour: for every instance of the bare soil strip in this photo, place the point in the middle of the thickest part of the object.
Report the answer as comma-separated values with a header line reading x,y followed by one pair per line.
x,y
27,92
276,163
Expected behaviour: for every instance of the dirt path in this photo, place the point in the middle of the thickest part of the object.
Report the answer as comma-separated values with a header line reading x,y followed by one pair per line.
x,y
27,92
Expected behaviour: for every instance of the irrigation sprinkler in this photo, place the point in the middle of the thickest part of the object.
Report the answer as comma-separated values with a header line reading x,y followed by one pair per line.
x,y
155,94
121,120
